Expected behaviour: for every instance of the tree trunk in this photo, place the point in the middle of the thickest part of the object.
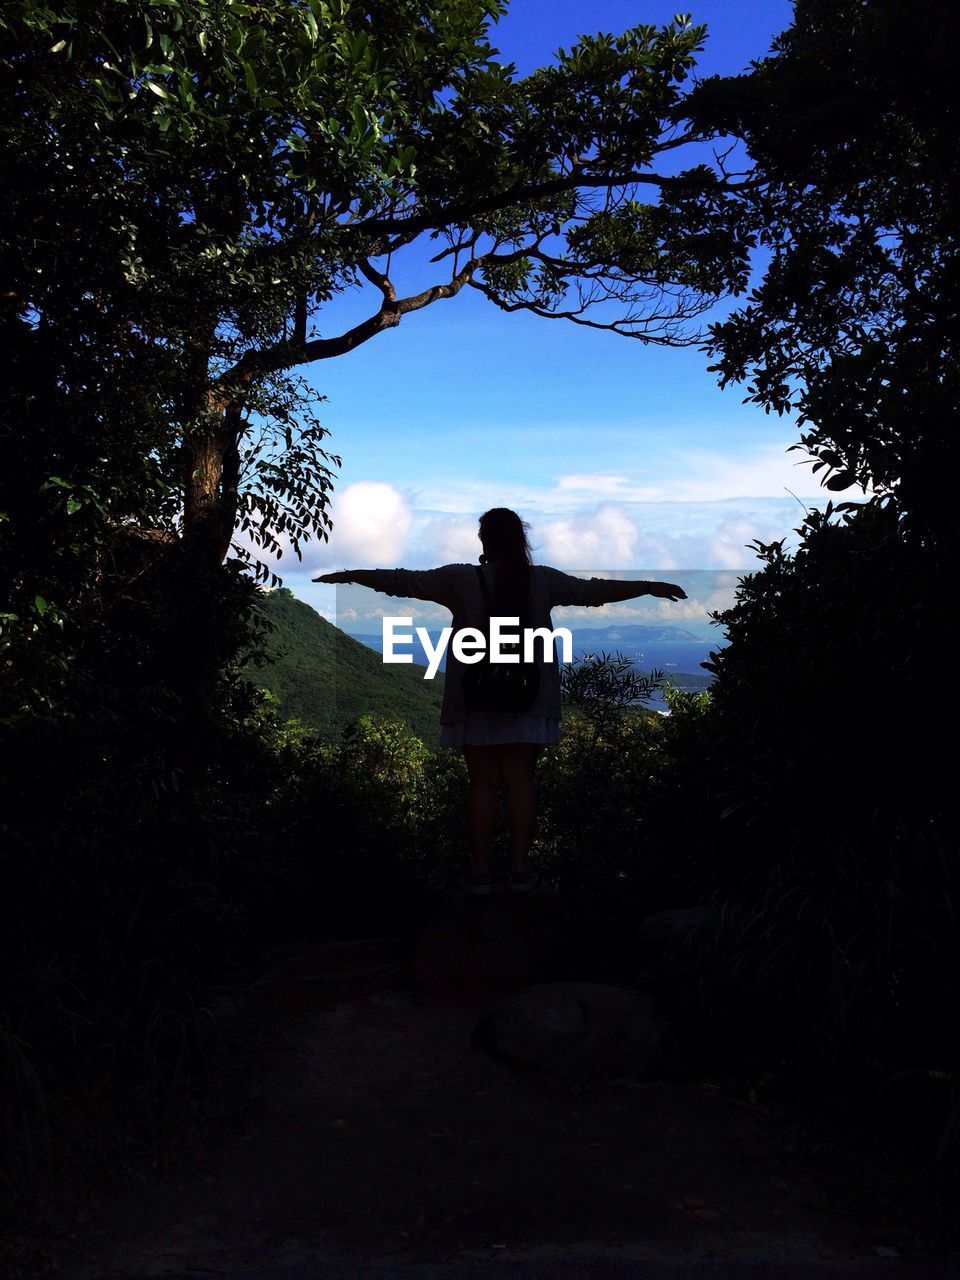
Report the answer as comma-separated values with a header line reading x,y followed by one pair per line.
x,y
211,474
210,479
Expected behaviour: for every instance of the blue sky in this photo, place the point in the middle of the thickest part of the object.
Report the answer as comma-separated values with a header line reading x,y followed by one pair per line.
x,y
621,455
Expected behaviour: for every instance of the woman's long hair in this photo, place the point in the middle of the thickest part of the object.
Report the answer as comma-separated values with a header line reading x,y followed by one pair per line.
x,y
505,543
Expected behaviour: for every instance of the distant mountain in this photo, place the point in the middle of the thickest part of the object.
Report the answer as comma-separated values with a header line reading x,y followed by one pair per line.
x,y
636,633
326,678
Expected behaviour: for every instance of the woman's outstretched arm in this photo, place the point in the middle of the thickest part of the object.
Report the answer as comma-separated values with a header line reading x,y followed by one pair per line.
x,y
566,589
438,585
363,577
615,589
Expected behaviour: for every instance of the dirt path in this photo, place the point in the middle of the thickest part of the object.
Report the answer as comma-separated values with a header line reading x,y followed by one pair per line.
x,y
368,1128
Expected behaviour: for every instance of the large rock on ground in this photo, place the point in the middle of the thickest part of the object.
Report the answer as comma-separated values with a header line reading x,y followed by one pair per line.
x,y
490,945
658,934
575,1030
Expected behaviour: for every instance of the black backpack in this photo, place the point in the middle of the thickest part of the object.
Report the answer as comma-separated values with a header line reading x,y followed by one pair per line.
x,y
499,686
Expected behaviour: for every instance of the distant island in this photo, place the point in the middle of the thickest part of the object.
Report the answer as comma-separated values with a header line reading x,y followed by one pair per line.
x,y
636,633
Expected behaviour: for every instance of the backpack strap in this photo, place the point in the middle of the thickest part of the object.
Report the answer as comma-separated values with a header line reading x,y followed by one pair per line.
x,y
488,599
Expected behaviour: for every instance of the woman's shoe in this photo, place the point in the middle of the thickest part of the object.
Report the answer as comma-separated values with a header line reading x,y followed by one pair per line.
x,y
476,884
524,881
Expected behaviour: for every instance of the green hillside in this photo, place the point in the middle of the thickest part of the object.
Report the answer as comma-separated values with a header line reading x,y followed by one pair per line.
x,y
326,679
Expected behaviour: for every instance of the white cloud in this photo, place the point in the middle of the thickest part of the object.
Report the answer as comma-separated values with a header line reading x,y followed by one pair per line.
x,y
378,528
644,609
606,536
680,611
703,512
461,496
728,547
372,521
692,477
613,537
364,612
448,542
616,486
771,470
702,475
674,476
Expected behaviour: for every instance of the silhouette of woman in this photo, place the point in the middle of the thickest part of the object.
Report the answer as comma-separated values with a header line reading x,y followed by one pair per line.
x,y
501,747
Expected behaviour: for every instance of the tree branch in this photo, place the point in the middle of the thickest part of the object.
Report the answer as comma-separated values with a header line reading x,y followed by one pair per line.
x,y
522,192
516,194
664,338
378,278
415,302
256,364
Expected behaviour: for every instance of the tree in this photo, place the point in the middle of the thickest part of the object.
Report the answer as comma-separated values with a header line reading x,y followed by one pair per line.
x,y
851,124
601,686
832,806
193,180
204,176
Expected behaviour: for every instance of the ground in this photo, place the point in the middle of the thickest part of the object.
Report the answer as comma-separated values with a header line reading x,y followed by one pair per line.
x,y
358,1131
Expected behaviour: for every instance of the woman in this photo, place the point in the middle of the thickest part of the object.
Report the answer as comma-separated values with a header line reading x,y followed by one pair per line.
x,y
501,747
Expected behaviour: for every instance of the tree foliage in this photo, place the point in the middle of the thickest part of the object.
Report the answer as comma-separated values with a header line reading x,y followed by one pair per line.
x,y
600,686
326,679
851,124
834,801
189,186
192,183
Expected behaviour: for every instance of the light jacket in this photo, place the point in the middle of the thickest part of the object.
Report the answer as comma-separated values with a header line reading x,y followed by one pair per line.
x,y
457,588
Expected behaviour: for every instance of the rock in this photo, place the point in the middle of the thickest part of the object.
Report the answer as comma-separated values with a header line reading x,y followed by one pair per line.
x,y
226,1017
490,945
658,933
576,1030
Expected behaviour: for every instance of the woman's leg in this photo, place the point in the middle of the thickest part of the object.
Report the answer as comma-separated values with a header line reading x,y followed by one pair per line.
x,y
518,762
483,770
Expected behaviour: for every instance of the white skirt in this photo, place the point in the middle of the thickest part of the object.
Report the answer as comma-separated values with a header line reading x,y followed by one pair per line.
x,y
497,728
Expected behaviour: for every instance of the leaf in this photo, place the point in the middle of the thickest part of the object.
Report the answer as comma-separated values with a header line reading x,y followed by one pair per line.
x,y
73,505
40,605
158,89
